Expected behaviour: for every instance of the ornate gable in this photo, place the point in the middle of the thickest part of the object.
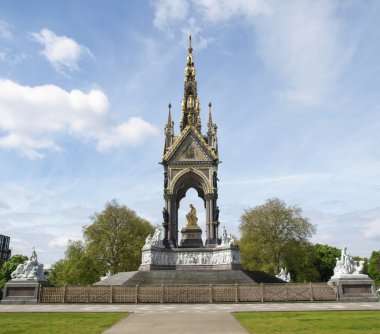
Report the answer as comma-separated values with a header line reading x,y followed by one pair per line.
x,y
190,147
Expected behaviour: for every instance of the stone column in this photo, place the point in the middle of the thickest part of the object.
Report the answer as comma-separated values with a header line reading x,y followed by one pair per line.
x,y
211,226
208,228
170,236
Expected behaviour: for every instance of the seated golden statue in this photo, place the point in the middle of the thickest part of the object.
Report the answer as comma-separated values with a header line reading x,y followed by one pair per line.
x,y
191,217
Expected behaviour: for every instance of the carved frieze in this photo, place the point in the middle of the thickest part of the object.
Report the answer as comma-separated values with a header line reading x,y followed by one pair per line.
x,y
168,257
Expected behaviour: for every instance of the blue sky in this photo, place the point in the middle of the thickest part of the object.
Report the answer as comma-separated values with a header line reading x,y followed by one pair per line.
x,y
84,89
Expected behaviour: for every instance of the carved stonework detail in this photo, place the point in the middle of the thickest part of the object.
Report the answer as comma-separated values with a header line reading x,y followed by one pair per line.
x,y
30,270
347,267
174,172
167,257
205,172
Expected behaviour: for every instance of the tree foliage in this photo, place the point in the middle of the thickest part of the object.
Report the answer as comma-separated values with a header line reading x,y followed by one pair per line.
x,y
10,266
325,260
77,268
373,267
275,235
113,242
116,236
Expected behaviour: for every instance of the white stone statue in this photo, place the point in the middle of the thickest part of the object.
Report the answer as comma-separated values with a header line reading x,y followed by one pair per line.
x,y
29,270
155,240
107,276
227,239
284,275
346,267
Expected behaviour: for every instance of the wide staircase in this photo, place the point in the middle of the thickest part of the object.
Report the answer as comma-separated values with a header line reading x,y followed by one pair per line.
x,y
194,277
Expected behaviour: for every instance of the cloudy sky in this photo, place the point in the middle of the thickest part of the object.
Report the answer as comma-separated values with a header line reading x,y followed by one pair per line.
x,y
84,89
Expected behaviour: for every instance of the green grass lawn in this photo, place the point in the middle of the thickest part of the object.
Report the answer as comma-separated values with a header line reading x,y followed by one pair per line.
x,y
336,322
71,323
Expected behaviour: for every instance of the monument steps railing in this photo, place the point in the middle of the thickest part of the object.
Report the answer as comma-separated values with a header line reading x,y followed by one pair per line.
x,y
228,293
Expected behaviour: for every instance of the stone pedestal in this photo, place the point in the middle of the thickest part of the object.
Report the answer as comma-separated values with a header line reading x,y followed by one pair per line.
x,y
354,288
191,237
22,292
219,258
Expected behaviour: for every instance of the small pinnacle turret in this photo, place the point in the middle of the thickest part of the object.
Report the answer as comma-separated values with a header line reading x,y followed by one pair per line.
x,y
169,129
212,131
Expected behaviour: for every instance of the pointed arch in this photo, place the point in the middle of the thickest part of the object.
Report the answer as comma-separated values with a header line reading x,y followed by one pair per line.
x,y
189,178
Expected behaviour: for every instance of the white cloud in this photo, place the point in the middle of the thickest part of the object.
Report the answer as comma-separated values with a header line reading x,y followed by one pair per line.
x,y
372,230
4,205
129,132
224,10
193,28
62,52
12,58
31,116
60,242
168,12
301,42
77,212
5,29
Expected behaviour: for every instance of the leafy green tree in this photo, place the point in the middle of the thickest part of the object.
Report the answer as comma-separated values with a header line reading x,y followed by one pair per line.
x,y
113,242
116,236
77,268
275,235
325,260
373,267
10,266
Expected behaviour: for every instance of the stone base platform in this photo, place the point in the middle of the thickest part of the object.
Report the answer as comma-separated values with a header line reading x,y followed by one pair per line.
x,y
192,277
22,292
354,288
191,237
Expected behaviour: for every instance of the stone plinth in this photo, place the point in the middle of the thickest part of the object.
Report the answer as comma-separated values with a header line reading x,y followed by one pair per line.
x,y
354,288
219,258
191,237
21,292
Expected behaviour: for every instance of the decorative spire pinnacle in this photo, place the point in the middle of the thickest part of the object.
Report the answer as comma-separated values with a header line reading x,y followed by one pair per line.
x,y
170,114
190,102
209,115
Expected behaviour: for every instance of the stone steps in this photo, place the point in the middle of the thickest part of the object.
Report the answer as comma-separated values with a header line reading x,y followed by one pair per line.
x,y
158,277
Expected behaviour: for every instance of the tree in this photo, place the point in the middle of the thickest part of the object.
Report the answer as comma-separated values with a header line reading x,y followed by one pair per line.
x,y
325,260
77,268
374,266
116,236
113,242
9,267
275,235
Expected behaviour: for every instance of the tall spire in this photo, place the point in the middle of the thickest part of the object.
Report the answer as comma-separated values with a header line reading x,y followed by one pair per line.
x,y
190,102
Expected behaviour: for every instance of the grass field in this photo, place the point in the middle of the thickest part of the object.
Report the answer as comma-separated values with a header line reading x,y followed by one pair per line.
x,y
336,322
57,323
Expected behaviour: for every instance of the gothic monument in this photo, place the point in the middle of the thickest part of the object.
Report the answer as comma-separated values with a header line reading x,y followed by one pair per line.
x,y
190,160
